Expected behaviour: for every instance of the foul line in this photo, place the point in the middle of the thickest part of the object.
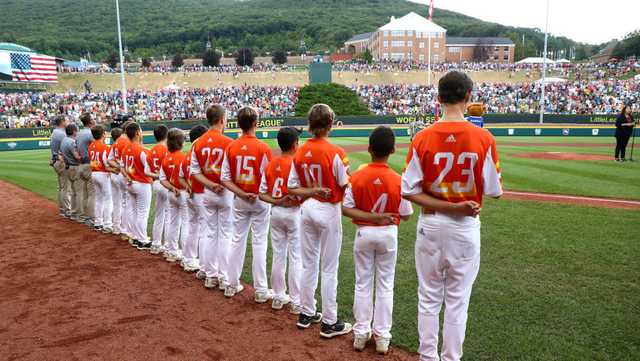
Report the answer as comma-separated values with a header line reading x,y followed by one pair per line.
x,y
560,197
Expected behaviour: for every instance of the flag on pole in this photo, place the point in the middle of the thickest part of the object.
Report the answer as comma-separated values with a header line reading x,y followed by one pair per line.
x,y
431,11
26,67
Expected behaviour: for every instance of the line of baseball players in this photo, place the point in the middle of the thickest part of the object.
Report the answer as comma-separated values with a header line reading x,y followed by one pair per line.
x,y
208,201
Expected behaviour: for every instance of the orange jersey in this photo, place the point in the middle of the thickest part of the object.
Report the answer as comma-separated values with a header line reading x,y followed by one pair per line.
x,y
245,160
156,155
276,176
320,163
170,168
118,148
375,188
453,161
98,153
135,161
185,172
208,153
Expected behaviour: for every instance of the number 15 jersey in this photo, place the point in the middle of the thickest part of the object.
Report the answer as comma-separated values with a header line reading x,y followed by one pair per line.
x,y
245,160
453,161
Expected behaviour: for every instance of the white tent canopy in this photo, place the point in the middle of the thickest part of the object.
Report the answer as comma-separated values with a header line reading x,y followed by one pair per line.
x,y
552,80
563,61
535,61
415,22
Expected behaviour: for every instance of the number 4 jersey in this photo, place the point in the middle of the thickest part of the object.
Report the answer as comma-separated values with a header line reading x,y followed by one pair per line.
x,y
453,161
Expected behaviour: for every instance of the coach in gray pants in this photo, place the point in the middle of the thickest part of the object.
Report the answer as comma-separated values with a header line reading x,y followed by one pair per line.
x,y
57,162
87,191
72,171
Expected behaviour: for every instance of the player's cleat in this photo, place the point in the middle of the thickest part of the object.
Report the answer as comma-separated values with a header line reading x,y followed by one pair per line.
x,y
222,284
171,257
231,291
382,345
294,309
107,230
124,237
211,282
264,296
133,242
144,246
337,329
360,341
88,222
97,228
305,321
279,302
201,275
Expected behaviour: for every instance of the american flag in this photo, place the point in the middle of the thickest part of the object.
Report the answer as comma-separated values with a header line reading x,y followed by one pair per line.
x,y
33,68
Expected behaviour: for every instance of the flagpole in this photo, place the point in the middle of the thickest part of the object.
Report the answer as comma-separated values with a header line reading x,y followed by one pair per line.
x,y
122,80
544,66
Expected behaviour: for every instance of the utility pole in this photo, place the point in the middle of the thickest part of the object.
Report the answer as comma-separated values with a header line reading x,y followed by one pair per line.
x,y
544,66
122,80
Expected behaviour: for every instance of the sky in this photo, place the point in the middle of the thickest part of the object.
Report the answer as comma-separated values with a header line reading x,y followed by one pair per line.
x,y
587,21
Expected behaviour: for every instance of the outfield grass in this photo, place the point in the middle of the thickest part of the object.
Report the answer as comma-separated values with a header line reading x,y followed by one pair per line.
x,y
557,282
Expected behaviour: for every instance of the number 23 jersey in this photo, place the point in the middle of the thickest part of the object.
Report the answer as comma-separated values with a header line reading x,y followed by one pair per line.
x,y
453,161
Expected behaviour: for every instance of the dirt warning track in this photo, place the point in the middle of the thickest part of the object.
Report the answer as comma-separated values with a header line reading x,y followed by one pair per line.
x,y
68,293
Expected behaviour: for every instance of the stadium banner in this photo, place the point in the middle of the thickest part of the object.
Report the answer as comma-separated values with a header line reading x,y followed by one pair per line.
x,y
553,119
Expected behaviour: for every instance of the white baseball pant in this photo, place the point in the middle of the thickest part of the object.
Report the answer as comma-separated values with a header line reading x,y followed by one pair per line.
x,y
177,222
321,240
447,261
375,253
190,239
117,196
254,216
285,243
161,194
216,231
139,206
126,223
103,201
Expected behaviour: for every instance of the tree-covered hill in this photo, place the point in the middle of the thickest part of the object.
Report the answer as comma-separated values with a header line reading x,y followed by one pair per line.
x,y
73,28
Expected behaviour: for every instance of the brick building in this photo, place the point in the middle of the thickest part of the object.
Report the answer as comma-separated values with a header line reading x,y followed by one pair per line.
x,y
407,39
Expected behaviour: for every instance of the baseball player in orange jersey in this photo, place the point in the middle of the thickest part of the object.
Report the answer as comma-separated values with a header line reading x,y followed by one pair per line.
x,y
450,166
118,182
139,179
190,244
176,223
285,223
215,201
156,155
320,172
244,163
98,153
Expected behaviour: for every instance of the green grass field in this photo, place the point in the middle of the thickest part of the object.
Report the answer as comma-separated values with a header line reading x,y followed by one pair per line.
x,y
556,282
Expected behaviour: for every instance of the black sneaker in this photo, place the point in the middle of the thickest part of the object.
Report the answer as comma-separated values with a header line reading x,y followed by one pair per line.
x,y
305,321
135,243
337,329
97,228
144,246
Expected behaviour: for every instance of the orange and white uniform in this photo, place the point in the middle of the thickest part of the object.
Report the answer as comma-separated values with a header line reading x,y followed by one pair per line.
x,y
177,222
216,227
98,155
320,163
245,161
456,162
285,231
375,188
156,156
119,191
191,240
138,203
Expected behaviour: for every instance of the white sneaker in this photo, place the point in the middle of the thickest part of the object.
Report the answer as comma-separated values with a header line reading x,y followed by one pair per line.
x,y
211,282
171,257
279,302
222,283
188,267
262,297
295,309
201,275
231,291
155,249
107,230
382,345
360,341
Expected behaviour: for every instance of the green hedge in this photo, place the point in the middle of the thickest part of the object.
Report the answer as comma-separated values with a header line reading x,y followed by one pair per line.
x,y
341,99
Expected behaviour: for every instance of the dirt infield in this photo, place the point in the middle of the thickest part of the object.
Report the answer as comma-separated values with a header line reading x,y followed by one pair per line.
x,y
68,293
562,156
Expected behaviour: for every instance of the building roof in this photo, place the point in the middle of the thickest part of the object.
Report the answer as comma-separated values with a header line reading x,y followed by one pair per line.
x,y
476,40
15,47
607,50
415,22
359,37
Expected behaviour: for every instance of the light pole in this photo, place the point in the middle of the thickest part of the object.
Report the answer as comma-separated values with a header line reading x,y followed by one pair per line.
x,y
122,80
544,66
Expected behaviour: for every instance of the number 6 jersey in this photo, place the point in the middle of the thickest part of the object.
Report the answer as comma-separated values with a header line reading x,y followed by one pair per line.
x,y
453,161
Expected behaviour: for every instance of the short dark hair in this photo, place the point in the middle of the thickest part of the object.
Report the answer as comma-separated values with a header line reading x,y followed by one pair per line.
x,y
382,141
85,119
175,140
321,118
131,130
247,117
71,129
57,121
97,131
454,87
160,132
287,137
196,132
215,114
115,134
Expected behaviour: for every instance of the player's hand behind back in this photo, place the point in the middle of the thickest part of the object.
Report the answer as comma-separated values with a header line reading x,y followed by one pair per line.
x,y
467,209
385,219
